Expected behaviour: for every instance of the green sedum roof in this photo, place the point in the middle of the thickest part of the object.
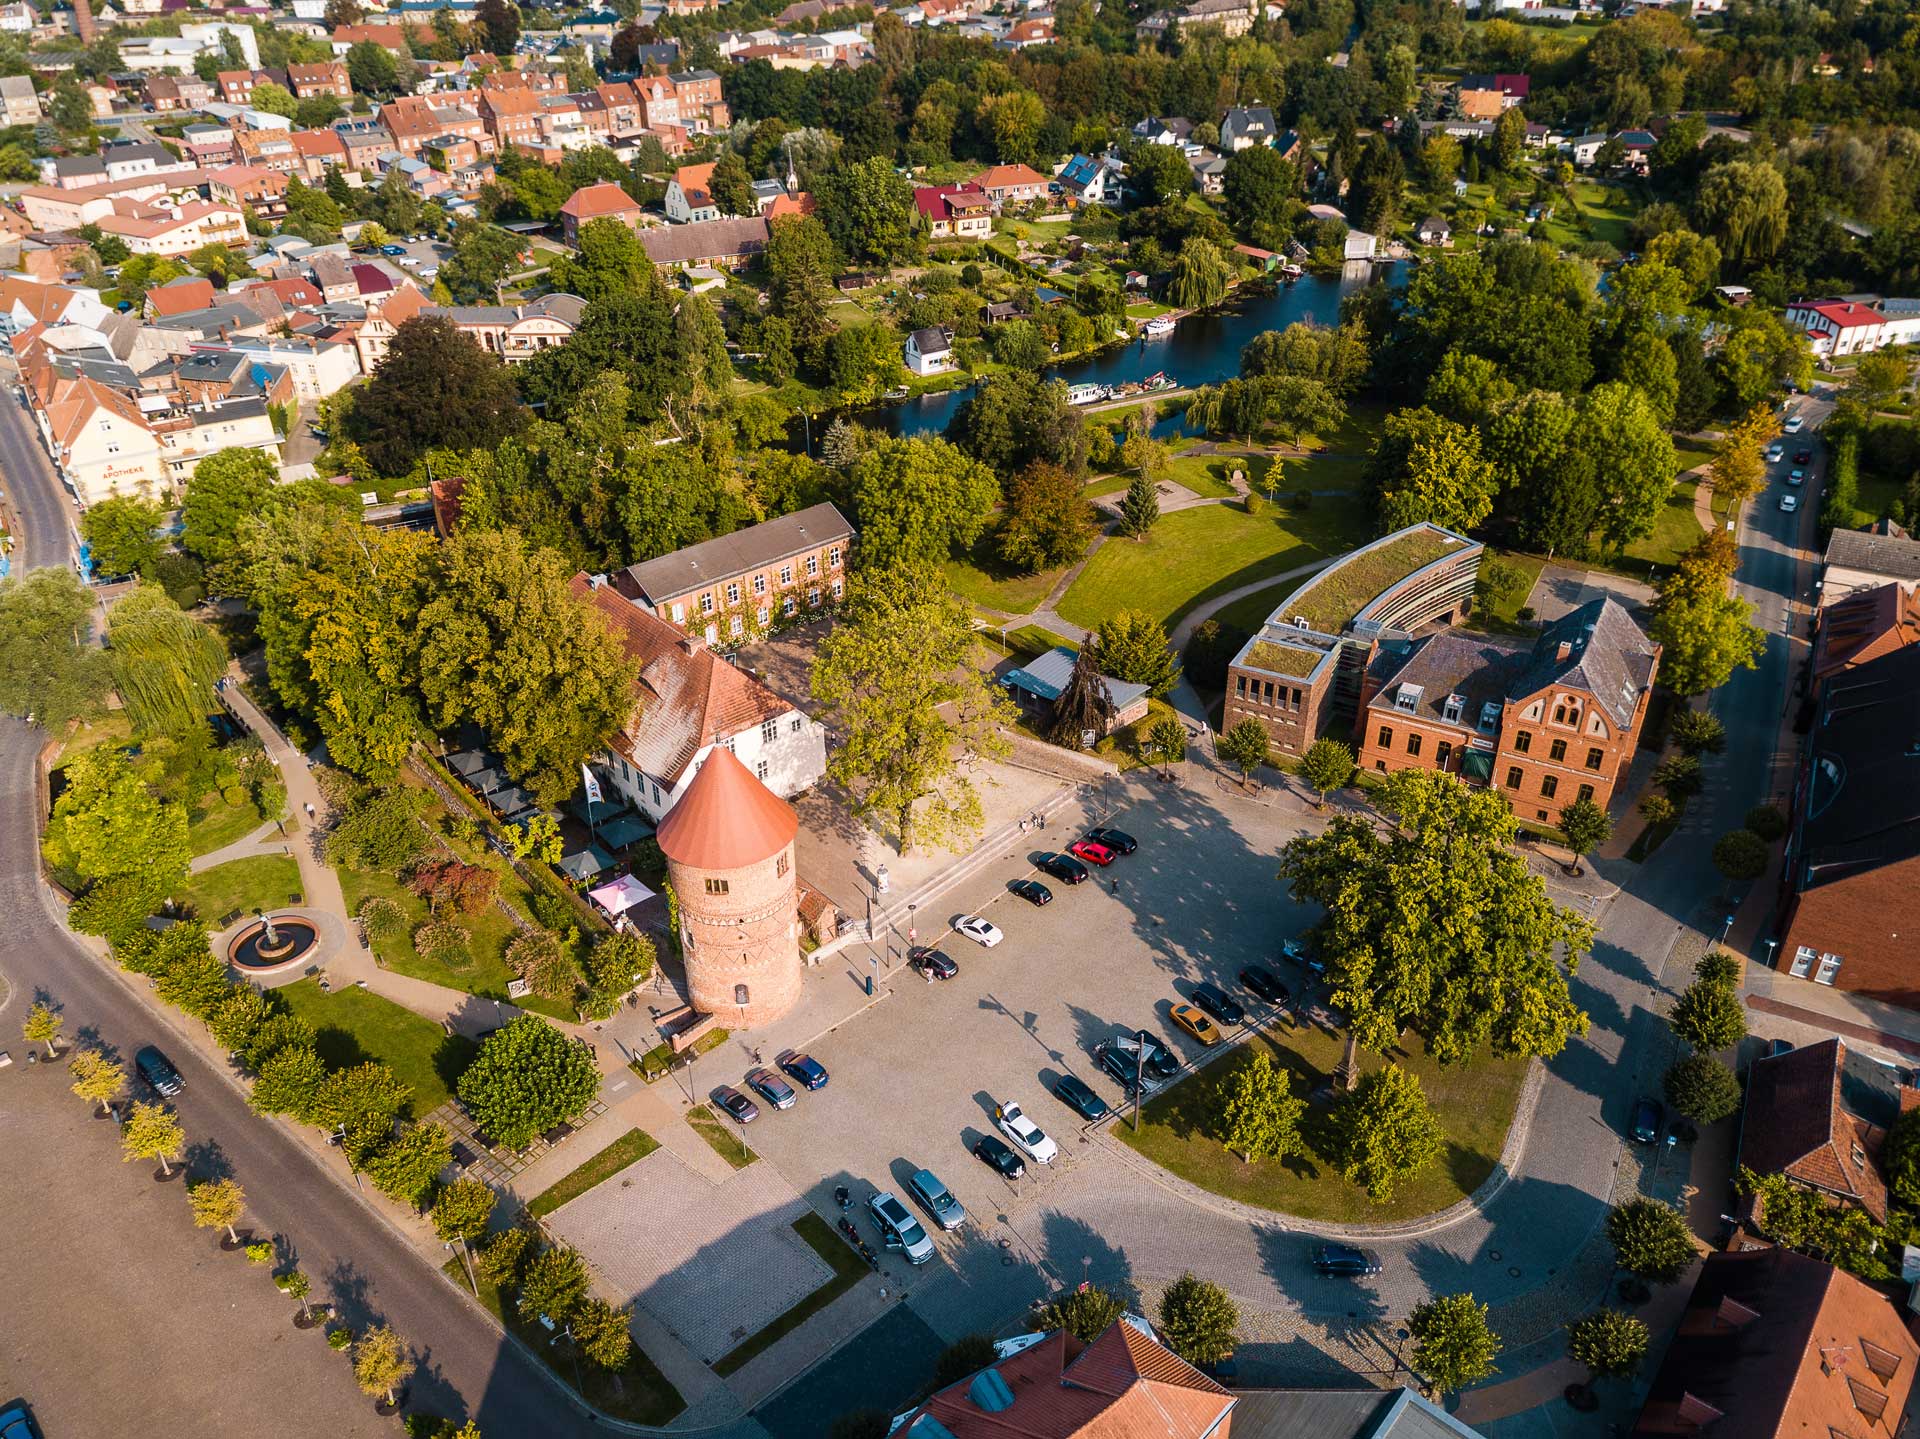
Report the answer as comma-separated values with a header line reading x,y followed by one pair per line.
x,y
1283,659
1343,590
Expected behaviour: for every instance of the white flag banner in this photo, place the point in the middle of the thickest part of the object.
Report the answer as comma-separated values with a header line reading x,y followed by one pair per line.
x,y
593,786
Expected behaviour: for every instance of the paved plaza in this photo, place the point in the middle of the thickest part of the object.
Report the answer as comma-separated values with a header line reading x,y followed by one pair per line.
x,y
714,1263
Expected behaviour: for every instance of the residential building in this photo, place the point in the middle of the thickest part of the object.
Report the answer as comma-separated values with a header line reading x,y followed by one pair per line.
x,y
512,116
1838,327
733,587
1774,1345
316,368
1126,1382
929,351
1865,559
1358,245
1487,97
1091,179
1547,723
236,86
697,93
1434,230
955,212
208,146
162,228
329,77
1012,185
188,433
1862,627
1245,126
1164,130
1342,1414
116,161
178,297
19,105
1819,1116
1849,902
515,333
688,199
99,442
1303,672
602,201
261,189
25,303
727,242
1233,18
690,702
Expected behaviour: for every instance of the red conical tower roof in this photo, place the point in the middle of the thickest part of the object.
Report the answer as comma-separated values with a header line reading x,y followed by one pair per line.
x,y
727,819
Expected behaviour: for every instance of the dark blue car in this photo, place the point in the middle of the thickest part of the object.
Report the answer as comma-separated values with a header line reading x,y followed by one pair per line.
x,y
803,1069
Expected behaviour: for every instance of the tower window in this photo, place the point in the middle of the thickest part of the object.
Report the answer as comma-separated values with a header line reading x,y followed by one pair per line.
x,y
716,886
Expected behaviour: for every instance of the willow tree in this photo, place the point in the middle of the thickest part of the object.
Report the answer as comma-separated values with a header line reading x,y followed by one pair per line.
x,y
1201,275
1434,921
165,662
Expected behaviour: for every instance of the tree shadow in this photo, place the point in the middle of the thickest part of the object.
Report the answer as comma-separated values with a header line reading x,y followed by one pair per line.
x,y
1077,1252
350,1292
206,1161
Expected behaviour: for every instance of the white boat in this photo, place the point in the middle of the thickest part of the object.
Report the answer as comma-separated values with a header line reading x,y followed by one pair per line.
x,y
1160,325
1086,394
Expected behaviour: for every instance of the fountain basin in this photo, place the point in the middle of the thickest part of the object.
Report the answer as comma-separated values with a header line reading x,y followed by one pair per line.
x,y
272,947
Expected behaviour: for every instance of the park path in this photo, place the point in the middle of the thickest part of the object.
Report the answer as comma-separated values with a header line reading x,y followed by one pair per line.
x,y
270,838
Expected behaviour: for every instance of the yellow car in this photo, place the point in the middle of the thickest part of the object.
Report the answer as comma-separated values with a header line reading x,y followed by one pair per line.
x,y
1196,1024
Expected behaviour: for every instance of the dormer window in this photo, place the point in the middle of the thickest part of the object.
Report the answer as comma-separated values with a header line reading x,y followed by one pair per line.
x,y
1490,716
1407,697
1455,707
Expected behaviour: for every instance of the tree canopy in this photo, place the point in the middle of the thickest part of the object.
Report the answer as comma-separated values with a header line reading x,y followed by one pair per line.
x,y
527,1077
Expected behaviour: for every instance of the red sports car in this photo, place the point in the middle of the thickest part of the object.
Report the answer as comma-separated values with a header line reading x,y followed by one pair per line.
x,y
1092,853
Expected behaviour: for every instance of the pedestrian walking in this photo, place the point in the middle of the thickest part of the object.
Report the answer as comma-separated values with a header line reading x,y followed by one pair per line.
x,y
309,808
1023,826
1116,886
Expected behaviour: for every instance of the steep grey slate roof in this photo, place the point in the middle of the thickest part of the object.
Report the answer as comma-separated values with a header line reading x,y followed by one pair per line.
x,y
1607,654
1887,555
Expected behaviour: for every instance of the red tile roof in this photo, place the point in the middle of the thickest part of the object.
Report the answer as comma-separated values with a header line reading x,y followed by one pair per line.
x,y
727,819
595,202
1796,1125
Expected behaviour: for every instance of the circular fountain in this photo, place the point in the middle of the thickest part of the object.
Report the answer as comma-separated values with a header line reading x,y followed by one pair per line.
x,y
271,946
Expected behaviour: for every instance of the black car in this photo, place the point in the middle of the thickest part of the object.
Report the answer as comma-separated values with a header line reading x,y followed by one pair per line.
x,y
1343,1261
1265,984
1119,1057
999,1157
736,1104
1063,867
1075,1094
1298,951
1802,457
1645,1127
159,1073
1216,1003
1032,891
1117,840
931,962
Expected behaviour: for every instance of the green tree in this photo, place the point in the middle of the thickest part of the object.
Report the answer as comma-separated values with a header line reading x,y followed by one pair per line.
x,y
1609,1343
407,1166
461,1211
363,1103
1453,1346
1199,1320
505,1257
1014,120
218,1204
97,1078
1085,1313
1708,1016
165,662
1809,1221
275,99
918,501
1740,855
109,822
1427,467
1697,732
1585,827
48,669
1878,378
42,1026
1901,1160
498,23
239,1018
1327,765
380,1362
554,1284
1140,510
1201,276
896,678
862,363
615,965
1702,1089
1134,649
510,648
1388,1131
1085,706
1009,421
537,838
1739,466
1168,740
527,1077
120,533
227,487
152,1132
801,263
1650,1240
1704,638
868,209
1259,1113
1047,521
1433,921
603,1333
1743,205
966,1355
1260,189
1245,747
435,388
287,1081
609,263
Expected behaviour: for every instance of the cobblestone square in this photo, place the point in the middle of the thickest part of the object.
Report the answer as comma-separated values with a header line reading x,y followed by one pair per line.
x,y
715,1263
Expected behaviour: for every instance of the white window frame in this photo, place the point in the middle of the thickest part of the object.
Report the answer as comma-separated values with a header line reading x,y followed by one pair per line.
x,y
706,603
733,592
1829,967
813,566
1803,959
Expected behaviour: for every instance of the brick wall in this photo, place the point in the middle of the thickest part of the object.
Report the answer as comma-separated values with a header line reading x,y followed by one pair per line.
x,y
1291,711
736,595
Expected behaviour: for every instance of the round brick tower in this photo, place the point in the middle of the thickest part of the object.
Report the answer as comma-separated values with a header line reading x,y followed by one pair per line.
x,y
729,849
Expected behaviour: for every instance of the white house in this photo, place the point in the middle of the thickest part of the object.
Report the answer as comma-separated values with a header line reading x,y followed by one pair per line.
x,y
1582,149
689,199
930,351
1838,327
317,368
1359,245
1091,179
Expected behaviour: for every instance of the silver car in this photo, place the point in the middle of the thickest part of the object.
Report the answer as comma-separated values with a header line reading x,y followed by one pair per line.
x,y
902,1230
937,1199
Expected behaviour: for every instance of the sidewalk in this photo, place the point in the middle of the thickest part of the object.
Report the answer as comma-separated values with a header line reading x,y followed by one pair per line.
x,y
270,838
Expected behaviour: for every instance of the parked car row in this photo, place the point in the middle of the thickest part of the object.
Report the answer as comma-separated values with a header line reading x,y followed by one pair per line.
x,y
802,1069
1101,847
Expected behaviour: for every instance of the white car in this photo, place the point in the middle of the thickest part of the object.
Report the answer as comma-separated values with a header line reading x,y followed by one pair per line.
x,y
1027,1136
982,932
1789,503
1776,453
1794,425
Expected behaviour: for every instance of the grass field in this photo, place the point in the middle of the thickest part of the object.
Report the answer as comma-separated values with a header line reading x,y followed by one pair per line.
x,y
261,881
635,1144
639,1393
980,578
848,1269
1195,554
722,1135
1503,614
1675,531
214,823
1475,1104
355,1026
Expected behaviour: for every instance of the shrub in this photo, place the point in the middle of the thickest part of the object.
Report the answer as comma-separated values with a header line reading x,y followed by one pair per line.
x,y
1697,732
501,1261
441,943
1303,499
538,959
1679,775
1256,504
1656,809
527,1078
235,794
260,1252
1766,821
380,832
1740,855
381,917
1702,1089
339,1340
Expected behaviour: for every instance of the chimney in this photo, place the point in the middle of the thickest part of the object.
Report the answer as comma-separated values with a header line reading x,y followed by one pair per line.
x,y
1563,651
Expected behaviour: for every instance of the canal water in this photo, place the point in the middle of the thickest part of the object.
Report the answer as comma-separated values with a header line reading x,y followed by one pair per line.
x,y
1204,350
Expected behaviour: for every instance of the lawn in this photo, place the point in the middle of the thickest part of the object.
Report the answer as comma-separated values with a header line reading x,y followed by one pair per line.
x,y
1475,1104
848,1269
1675,531
240,886
635,1144
1608,209
720,1134
639,1394
355,1025
980,578
1192,555
1503,614
1249,613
